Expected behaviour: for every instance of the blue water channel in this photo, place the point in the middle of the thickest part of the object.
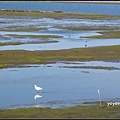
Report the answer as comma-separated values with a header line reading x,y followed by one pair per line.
x,y
62,86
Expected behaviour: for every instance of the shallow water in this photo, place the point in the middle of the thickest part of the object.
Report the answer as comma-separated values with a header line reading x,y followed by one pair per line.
x,y
63,44
62,87
70,38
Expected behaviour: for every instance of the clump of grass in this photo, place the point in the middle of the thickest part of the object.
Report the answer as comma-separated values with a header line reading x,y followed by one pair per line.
x,y
93,67
2,44
96,103
10,43
87,28
34,36
107,34
30,29
15,43
3,66
22,29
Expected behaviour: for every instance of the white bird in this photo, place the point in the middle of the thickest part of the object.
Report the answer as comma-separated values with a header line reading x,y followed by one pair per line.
x,y
85,40
37,88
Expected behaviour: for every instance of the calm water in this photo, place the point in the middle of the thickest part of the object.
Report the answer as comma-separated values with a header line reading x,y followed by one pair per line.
x,y
62,87
113,9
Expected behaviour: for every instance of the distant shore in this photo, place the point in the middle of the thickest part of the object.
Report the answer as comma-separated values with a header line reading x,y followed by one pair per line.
x,y
102,2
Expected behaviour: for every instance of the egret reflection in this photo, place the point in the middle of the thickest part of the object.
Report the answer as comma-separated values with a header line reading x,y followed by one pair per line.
x,y
37,96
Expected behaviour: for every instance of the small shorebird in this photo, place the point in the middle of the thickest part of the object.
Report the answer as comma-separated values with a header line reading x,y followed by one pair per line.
x,y
85,43
37,88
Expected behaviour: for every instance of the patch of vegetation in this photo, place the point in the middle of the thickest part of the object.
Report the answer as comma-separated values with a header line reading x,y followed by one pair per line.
x,y
3,66
107,34
103,103
22,29
93,67
55,15
95,111
10,43
105,53
15,43
29,42
34,36
87,28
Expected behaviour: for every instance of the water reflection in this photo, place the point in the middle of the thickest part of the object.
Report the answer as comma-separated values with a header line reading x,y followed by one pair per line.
x,y
38,96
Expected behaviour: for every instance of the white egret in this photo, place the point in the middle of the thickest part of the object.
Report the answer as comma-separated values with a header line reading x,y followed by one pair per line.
x,y
37,88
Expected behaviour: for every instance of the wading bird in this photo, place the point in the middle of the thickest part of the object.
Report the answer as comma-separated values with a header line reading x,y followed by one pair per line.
x,y
37,88
85,43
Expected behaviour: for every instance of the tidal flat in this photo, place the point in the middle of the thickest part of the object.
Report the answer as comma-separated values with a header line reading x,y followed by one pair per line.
x,y
38,27
18,58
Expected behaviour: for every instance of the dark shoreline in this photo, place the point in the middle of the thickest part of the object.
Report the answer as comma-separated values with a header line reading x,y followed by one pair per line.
x,y
91,2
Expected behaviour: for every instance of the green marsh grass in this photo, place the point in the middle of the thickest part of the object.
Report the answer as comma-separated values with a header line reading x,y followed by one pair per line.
x,y
56,15
105,53
22,29
95,111
107,34
87,28
10,43
3,66
34,36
